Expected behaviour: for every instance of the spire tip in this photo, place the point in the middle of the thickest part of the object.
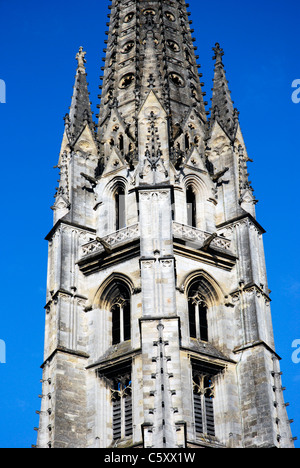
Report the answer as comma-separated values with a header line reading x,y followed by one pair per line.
x,y
80,57
219,52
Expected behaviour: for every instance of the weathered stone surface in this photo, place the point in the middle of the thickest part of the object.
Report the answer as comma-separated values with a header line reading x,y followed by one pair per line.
x,y
154,214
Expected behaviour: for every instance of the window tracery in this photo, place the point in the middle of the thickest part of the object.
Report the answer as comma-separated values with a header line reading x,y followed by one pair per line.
x,y
121,316
203,395
121,397
198,323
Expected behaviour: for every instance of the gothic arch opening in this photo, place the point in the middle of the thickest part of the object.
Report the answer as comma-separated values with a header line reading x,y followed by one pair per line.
x,y
113,300
117,214
119,198
111,288
207,287
203,295
121,314
115,297
191,204
196,194
198,324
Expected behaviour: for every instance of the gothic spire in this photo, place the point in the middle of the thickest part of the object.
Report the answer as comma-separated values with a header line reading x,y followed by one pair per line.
x,y
222,109
80,110
150,47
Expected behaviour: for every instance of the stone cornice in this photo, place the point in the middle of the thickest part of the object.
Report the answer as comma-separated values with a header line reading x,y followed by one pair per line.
x,y
243,217
68,223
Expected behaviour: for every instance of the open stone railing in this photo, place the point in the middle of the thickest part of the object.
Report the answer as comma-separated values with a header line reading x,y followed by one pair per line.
x,y
112,240
130,233
197,236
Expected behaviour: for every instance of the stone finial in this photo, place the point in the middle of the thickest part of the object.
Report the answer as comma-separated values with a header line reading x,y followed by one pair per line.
x,y
219,52
80,57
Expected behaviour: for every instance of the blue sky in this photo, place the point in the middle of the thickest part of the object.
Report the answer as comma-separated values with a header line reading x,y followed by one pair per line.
x,y
39,40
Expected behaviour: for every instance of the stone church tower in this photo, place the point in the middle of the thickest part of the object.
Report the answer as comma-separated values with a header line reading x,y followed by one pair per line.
x,y
158,322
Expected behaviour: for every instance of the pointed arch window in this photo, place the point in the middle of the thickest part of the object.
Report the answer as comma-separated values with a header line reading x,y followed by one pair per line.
x,y
197,307
121,316
120,208
191,206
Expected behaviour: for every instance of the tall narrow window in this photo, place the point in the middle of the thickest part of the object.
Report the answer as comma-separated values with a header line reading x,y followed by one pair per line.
x,y
197,314
126,321
121,143
121,317
120,208
187,141
203,395
121,396
116,324
191,206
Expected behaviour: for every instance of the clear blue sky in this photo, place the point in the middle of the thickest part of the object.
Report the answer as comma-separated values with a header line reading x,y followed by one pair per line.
x,y
39,40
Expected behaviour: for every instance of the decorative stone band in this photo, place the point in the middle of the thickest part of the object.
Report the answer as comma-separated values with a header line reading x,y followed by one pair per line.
x,y
112,240
250,288
192,234
130,233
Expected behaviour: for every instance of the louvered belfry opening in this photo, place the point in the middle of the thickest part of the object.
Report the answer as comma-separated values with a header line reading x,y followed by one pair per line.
x,y
203,404
204,391
118,381
121,406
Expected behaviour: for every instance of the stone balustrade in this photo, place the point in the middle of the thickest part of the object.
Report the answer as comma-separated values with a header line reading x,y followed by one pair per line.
x,y
192,234
112,240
